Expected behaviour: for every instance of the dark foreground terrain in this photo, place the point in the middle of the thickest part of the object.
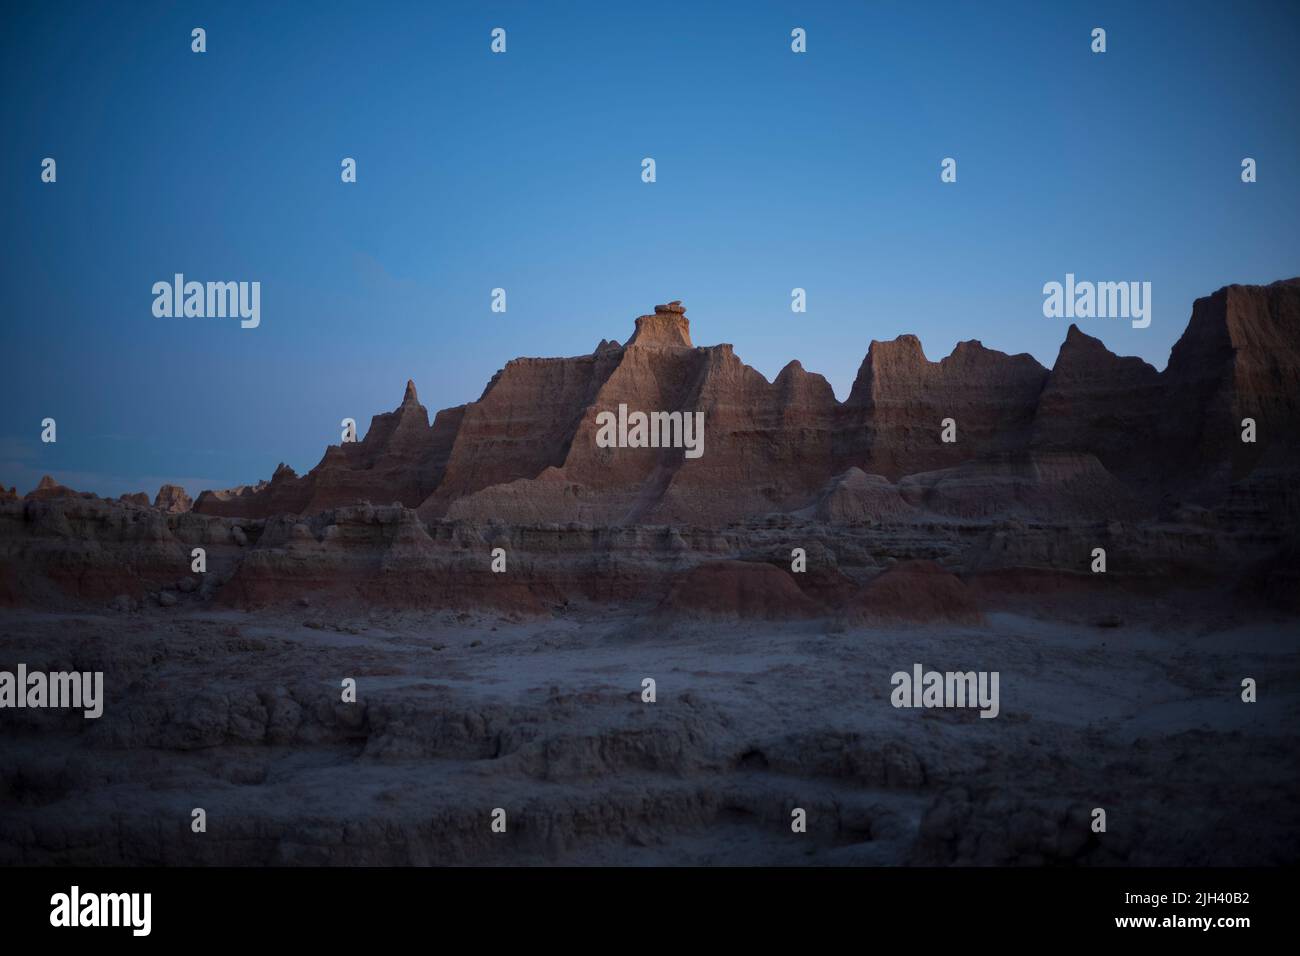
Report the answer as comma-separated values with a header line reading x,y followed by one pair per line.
x,y
457,714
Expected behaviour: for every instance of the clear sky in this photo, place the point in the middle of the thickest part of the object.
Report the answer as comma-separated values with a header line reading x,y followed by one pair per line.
x,y
523,171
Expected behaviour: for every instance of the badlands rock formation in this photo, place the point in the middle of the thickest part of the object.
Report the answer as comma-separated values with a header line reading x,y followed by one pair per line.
x,y
1047,464
525,451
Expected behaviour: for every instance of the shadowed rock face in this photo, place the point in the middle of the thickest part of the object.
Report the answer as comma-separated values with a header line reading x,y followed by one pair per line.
x,y
526,450
1098,401
1239,358
893,414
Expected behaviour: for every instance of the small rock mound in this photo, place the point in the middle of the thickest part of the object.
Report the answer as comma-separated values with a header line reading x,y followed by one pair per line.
x,y
744,589
918,591
858,498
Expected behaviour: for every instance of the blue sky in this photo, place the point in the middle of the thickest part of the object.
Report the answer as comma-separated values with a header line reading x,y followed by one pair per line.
x,y
522,171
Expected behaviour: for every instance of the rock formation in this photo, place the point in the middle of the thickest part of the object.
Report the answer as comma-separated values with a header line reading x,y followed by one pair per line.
x,y
1239,358
1095,400
526,449
1047,465
173,499
47,488
891,422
